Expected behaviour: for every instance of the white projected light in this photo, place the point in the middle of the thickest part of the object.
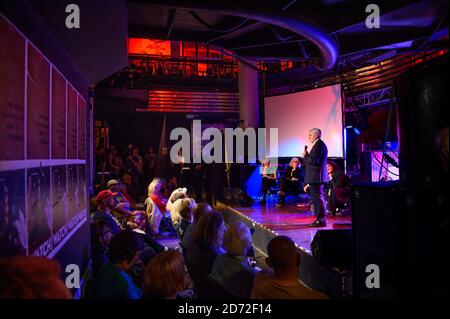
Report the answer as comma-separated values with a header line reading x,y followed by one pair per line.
x,y
294,114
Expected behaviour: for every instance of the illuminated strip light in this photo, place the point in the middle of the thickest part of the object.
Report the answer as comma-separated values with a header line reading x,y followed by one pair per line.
x,y
185,102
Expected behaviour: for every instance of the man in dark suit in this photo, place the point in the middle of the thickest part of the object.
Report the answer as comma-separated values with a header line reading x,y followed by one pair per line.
x,y
316,174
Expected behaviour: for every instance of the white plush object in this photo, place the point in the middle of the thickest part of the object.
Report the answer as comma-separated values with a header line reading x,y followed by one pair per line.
x,y
177,193
179,205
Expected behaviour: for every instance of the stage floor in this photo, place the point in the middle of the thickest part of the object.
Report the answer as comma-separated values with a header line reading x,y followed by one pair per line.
x,y
290,220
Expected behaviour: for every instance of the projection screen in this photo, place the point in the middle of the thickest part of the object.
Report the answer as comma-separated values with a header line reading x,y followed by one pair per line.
x,y
294,114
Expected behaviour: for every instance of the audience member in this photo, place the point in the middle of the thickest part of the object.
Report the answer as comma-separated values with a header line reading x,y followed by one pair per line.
x,y
112,279
132,191
283,282
205,246
136,167
26,277
119,209
232,270
175,195
165,276
105,203
101,235
137,222
159,219
200,210
183,207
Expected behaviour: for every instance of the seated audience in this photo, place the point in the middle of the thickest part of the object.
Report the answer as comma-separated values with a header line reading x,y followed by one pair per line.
x,y
137,222
165,276
105,203
158,217
232,270
175,194
339,188
205,246
119,209
123,188
112,279
200,210
26,277
283,282
291,182
101,235
132,191
269,177
183,207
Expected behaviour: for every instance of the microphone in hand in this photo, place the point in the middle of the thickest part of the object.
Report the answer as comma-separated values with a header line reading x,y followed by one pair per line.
x,y
305,151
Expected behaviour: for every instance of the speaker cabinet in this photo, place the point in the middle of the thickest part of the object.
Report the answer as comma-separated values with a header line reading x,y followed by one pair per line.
x,y
333,248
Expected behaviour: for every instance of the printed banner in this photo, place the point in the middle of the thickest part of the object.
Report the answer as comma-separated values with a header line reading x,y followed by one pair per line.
x,y
38,98
13,223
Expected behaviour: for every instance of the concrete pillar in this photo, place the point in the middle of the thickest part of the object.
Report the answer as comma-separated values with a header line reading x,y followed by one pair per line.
x,y
248,96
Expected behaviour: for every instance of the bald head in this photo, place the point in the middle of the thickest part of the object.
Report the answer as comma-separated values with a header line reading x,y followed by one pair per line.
x,y
282,253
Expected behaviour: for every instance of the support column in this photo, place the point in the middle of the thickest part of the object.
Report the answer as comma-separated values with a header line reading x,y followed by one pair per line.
x,y
248,96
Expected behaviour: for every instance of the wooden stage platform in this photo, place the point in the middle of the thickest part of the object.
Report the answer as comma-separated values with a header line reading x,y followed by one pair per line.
x,y
269,220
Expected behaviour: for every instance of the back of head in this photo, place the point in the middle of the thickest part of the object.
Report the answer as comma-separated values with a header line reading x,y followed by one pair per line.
x,y
31,278
207,232
166,274
282,253
177,194
200,210
184,207
123,247
237,239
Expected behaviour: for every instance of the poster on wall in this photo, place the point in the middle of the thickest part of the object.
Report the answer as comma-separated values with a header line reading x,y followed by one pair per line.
x,y
38,92
39,211
81,128
13,224
12,79
82,197
58,115
72,190
72,138
60,212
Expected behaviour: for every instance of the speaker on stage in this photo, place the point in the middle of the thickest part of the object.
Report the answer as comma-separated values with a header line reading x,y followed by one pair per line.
x,y
236,196
377,217
400,229
423,123
333,248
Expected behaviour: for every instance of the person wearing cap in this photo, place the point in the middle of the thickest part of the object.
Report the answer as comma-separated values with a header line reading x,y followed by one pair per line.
x,y
121,204
290,183
105,204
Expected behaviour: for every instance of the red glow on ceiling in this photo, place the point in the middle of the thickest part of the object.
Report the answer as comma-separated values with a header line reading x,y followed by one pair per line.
x,y
147,46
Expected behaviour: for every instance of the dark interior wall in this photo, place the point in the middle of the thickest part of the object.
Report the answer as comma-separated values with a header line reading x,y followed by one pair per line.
x,y
66,235
143,129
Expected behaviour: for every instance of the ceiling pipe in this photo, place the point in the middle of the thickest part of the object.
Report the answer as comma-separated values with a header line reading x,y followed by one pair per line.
x,y
296,22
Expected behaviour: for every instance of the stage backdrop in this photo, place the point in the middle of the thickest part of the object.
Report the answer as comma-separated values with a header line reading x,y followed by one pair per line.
x,y
294,114
43,199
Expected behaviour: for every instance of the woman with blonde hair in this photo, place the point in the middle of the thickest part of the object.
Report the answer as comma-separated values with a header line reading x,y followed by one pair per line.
x,y
291,182
165,276
269,177
156,207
